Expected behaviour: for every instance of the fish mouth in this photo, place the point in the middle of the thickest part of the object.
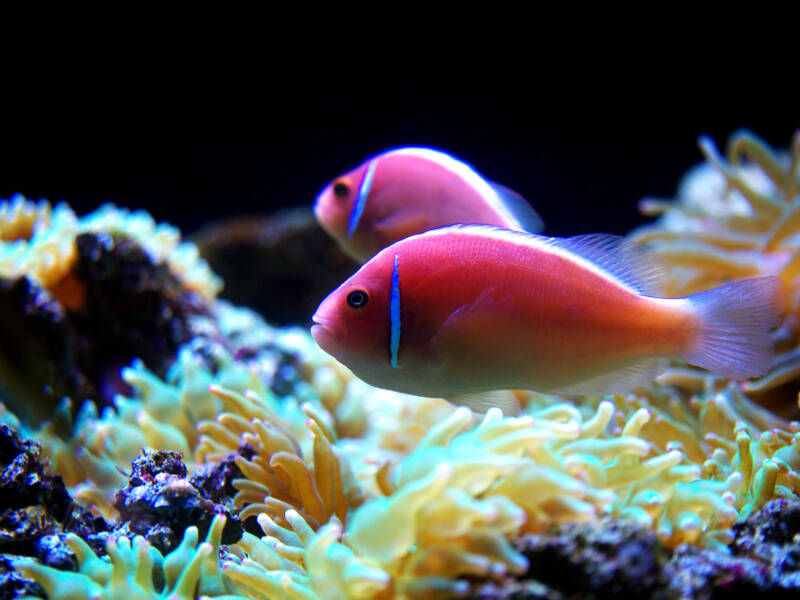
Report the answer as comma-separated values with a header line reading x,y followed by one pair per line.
x,y
326,331
318,209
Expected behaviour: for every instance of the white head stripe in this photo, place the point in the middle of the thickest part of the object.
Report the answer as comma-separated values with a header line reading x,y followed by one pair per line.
x,y
361,199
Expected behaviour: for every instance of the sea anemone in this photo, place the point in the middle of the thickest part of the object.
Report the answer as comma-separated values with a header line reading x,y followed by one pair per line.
x,y
135,569
277,476
369,494
732,219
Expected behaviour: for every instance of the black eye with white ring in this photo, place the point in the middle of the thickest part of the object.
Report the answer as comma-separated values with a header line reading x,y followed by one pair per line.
x,y
341,189
357,299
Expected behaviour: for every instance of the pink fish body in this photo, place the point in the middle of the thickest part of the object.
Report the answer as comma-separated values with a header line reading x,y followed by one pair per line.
x,y
467,309
406,191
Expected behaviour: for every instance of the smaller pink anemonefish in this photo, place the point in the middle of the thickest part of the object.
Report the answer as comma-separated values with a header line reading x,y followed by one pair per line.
x,y
405,191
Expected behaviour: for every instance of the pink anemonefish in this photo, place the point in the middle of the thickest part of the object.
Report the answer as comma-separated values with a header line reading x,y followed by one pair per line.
x,y
405,191
465,309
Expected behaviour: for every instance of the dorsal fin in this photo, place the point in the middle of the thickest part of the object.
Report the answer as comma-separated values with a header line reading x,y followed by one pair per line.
x,y
629,262
519,208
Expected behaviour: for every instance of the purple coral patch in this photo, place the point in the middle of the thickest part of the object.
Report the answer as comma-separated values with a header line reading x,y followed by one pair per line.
x,y
614,559
160,502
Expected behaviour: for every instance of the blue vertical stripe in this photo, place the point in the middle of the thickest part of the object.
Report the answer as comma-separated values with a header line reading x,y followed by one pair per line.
x,y
394,315
361,200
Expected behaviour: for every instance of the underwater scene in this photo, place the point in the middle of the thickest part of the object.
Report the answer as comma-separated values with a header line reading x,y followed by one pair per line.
x,y
407,433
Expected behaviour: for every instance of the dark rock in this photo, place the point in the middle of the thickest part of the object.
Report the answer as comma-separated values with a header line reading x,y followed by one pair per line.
x,y
14,585
712,575
133,309
21,530
54,552
275,365
37,360
772,536
120,306
281,265
286,378
160,502
776,524
36,511
23,481
606,559
92,528
215,480
609,559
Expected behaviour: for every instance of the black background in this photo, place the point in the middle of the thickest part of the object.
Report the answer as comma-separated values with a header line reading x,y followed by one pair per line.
x,y
199,122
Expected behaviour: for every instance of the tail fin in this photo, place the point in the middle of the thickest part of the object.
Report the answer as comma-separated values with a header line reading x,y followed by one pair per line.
x,y
735,323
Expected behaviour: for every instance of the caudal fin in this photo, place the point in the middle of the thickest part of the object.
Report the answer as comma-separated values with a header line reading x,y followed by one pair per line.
x,y
735,323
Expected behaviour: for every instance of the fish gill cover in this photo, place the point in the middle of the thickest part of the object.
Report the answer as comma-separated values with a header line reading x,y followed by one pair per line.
x,y
347,491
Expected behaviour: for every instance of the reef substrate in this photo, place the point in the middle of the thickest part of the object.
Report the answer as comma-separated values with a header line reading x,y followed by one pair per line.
x,y
160,442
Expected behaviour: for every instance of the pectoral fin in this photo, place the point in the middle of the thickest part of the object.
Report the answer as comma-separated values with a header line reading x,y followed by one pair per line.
x,y
471,322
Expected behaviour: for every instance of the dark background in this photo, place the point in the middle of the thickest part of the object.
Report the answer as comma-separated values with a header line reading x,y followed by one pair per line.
x,y
226,121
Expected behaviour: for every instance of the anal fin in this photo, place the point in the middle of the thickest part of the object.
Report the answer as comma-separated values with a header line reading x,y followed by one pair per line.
x,y
480,402
622,380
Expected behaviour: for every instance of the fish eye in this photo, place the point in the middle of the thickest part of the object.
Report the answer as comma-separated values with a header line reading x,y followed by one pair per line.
x,y
341,189
357,299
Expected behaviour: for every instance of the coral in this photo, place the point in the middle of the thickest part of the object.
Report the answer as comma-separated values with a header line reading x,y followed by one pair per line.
x,y
611,559
508,476
732,219
35,508
727,435
162,243
129,308
83,297
165,413
37,242
19,217
37,224
736,457
15,585
138,570
160,502
367,420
